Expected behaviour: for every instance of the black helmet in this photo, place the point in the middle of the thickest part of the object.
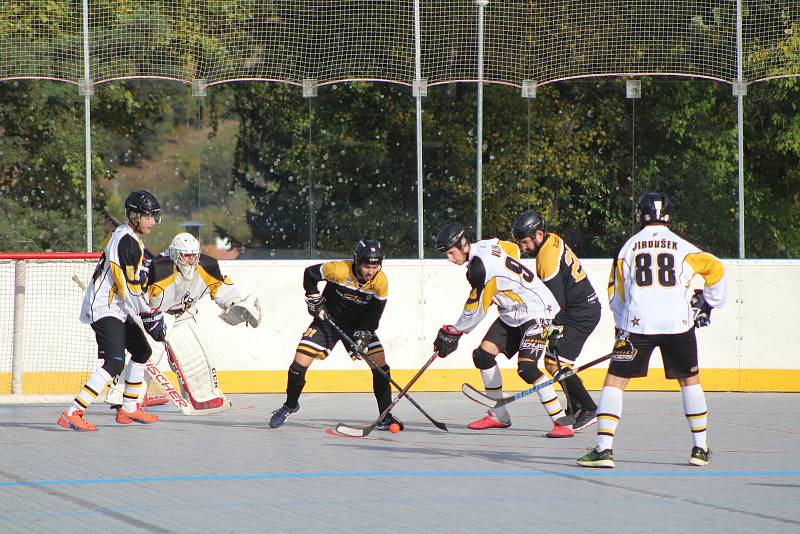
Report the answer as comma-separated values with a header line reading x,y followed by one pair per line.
x,y
653,208
368,251
143,202
450,236
526,225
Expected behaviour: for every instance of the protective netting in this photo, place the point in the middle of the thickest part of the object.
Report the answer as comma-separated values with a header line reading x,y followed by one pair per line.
x,y
325,40
55,351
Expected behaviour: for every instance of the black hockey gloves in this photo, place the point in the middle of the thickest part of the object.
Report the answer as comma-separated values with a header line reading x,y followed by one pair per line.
x,y
701,309
314,304
155,325
362,339
447,340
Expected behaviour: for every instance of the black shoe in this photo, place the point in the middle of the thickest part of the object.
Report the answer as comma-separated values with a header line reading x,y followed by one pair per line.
x,y
699,456
586,418
387,421
280,415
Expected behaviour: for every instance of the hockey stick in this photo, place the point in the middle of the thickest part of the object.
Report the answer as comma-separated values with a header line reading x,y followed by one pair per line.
x,y
357,432
481,398
352,346
153,370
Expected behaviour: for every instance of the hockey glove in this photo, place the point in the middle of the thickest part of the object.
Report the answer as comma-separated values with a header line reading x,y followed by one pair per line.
x,y
447,340
155,325
701,309
144,272
554,336
362,339
315,304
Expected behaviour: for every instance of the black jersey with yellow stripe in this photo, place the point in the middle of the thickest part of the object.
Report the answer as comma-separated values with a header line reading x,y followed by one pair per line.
x,y
562,272
349,302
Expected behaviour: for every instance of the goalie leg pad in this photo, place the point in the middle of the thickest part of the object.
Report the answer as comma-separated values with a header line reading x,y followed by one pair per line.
x,y
197,376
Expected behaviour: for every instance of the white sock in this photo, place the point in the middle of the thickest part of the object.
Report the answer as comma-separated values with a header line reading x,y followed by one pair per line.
x,y
133,386
493,383
609,412
549,400
90,390
696,410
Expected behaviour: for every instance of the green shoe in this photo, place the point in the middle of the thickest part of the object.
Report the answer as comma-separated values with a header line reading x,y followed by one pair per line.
x,y
597,458
699,456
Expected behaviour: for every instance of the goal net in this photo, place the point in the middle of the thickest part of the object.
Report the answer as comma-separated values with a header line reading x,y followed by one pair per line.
x,y
46,353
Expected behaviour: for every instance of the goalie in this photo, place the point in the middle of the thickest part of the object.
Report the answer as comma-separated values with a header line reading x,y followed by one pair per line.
x,y
176,281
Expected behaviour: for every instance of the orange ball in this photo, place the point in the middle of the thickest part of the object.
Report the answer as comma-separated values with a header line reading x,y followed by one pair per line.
x,y
394,428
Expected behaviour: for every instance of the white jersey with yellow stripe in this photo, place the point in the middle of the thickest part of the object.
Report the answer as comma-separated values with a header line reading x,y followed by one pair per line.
x,y
651,282
171,292
115,289
497,277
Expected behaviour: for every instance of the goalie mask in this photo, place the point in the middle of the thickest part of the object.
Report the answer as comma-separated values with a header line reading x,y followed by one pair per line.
x,y
653,208
184,251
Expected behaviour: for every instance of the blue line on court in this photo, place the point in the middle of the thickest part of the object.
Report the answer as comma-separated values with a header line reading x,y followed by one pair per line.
x,y
427,474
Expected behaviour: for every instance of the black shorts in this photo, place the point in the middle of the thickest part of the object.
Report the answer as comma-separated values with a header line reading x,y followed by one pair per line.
x,y
528,339
114,337
678,352
319,339
578,326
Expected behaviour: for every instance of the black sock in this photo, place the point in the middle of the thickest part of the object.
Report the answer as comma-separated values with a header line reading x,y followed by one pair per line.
x,y
295,383
578,395
382,388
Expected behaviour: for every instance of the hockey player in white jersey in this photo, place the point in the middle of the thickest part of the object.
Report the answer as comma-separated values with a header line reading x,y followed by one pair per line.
x,y
654,305
113,297
526,308
176,281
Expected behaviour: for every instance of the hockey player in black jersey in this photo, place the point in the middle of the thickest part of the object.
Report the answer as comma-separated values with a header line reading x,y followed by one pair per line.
x,y
562,273
354,298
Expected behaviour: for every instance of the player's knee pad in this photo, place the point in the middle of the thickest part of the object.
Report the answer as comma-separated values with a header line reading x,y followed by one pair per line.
x,y
114,365
483,359
528,371
297,369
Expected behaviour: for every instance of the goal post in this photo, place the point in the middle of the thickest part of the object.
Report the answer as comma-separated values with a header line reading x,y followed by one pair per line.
x,y
46,354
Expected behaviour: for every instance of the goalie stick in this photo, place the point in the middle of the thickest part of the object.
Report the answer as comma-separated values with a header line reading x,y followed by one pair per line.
x,y
481,398
351,345
360,432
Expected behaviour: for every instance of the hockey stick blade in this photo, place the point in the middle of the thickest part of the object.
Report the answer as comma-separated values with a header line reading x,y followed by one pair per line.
x,y
351,345
352,431
481,398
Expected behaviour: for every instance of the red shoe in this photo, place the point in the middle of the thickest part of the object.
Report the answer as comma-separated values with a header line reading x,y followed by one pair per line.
x,y
138,416
560,431
76,422
157,400
489,421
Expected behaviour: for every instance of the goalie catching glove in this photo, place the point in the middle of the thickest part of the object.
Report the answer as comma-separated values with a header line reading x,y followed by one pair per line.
x,y
246,310
701,309
155,325
447,340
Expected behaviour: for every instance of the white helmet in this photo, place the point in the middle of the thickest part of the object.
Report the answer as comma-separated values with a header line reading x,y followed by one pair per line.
x,y
184,251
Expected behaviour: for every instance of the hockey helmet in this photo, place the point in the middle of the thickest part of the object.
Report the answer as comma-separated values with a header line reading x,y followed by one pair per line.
x,y
184,251
527,224
142,203
368,251
450,236
653,208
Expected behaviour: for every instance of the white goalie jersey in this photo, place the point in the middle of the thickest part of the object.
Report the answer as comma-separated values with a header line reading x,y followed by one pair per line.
x,y
497,277
651,282
169,291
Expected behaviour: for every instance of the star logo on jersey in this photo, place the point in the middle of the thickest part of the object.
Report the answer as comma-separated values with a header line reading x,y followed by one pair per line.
x,y
635,321
549,308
